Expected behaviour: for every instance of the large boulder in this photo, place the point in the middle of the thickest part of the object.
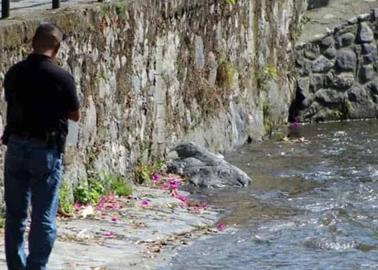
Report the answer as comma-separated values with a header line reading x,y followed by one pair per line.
x,y
205,169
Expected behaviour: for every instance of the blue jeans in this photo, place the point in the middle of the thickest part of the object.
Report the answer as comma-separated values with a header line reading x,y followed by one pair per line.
x,y
32,175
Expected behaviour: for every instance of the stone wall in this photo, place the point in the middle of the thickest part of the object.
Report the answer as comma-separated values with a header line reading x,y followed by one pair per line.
x,y
154,73
312,4
337,74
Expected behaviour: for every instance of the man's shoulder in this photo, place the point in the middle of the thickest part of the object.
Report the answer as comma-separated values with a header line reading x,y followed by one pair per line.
x,y
59,72
16,67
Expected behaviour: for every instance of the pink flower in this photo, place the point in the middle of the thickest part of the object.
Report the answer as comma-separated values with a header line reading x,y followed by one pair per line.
x,y
182,198
114,219
156,178
174,184
166,185
101,203
221,227
204,205
145,203
77,206
295,124
108,234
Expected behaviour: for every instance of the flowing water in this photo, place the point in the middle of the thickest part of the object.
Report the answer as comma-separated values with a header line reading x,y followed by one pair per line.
x,y
312,205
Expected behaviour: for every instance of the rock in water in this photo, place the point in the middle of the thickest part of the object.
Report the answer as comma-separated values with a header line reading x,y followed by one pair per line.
x,y
206,169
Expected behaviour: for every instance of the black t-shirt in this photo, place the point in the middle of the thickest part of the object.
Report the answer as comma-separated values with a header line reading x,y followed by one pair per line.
x,y
40,96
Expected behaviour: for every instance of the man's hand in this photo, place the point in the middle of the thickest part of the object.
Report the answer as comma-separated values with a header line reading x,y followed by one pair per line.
x,y
74,116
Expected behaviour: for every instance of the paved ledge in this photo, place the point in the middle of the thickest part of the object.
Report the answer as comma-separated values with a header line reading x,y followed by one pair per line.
x,y
336,13
134,236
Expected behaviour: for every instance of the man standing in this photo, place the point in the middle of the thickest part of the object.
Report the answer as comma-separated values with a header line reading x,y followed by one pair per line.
x,y
41,97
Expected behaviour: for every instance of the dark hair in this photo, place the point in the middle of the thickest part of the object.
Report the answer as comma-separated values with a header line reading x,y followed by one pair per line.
x,y
47,36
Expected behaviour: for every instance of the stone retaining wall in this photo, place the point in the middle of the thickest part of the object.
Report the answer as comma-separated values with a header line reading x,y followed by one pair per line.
x,y
151,74
337,74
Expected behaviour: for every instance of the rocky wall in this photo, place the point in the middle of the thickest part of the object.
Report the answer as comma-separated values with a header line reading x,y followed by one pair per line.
x,y
337,74
151,74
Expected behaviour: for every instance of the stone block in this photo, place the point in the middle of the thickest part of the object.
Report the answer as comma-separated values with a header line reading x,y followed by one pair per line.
x,y
327,42
369,59
311,4
373,87
306,69
342,81
303,85
363,105
330,53
328,97
346,60
316,82
304,97
369,48
357,94
322,65
366,74
375,14
311,51
365,34
346,40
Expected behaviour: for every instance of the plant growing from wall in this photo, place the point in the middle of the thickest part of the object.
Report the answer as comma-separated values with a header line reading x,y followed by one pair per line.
x,y
66,198
271,124
117,185
89,194
268,122
230,2
90,191
266,74
144,172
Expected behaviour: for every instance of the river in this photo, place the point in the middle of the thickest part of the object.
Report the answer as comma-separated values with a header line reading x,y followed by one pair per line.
x,y
312,205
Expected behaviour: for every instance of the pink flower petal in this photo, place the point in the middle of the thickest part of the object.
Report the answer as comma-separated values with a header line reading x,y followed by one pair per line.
x,y
145,203
221,227
114,219
77,206
108,234
156,178
204,205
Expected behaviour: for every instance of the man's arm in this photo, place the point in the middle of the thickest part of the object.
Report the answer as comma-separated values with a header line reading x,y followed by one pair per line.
x,y
72,102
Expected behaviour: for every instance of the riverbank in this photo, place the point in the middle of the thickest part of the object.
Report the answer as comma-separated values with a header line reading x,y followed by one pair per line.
x,y
136,232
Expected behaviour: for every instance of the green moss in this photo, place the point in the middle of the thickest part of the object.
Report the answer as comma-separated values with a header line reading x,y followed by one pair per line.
x,y
121,9
119,186
66,198
2,221
266,74
346,109
225,74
